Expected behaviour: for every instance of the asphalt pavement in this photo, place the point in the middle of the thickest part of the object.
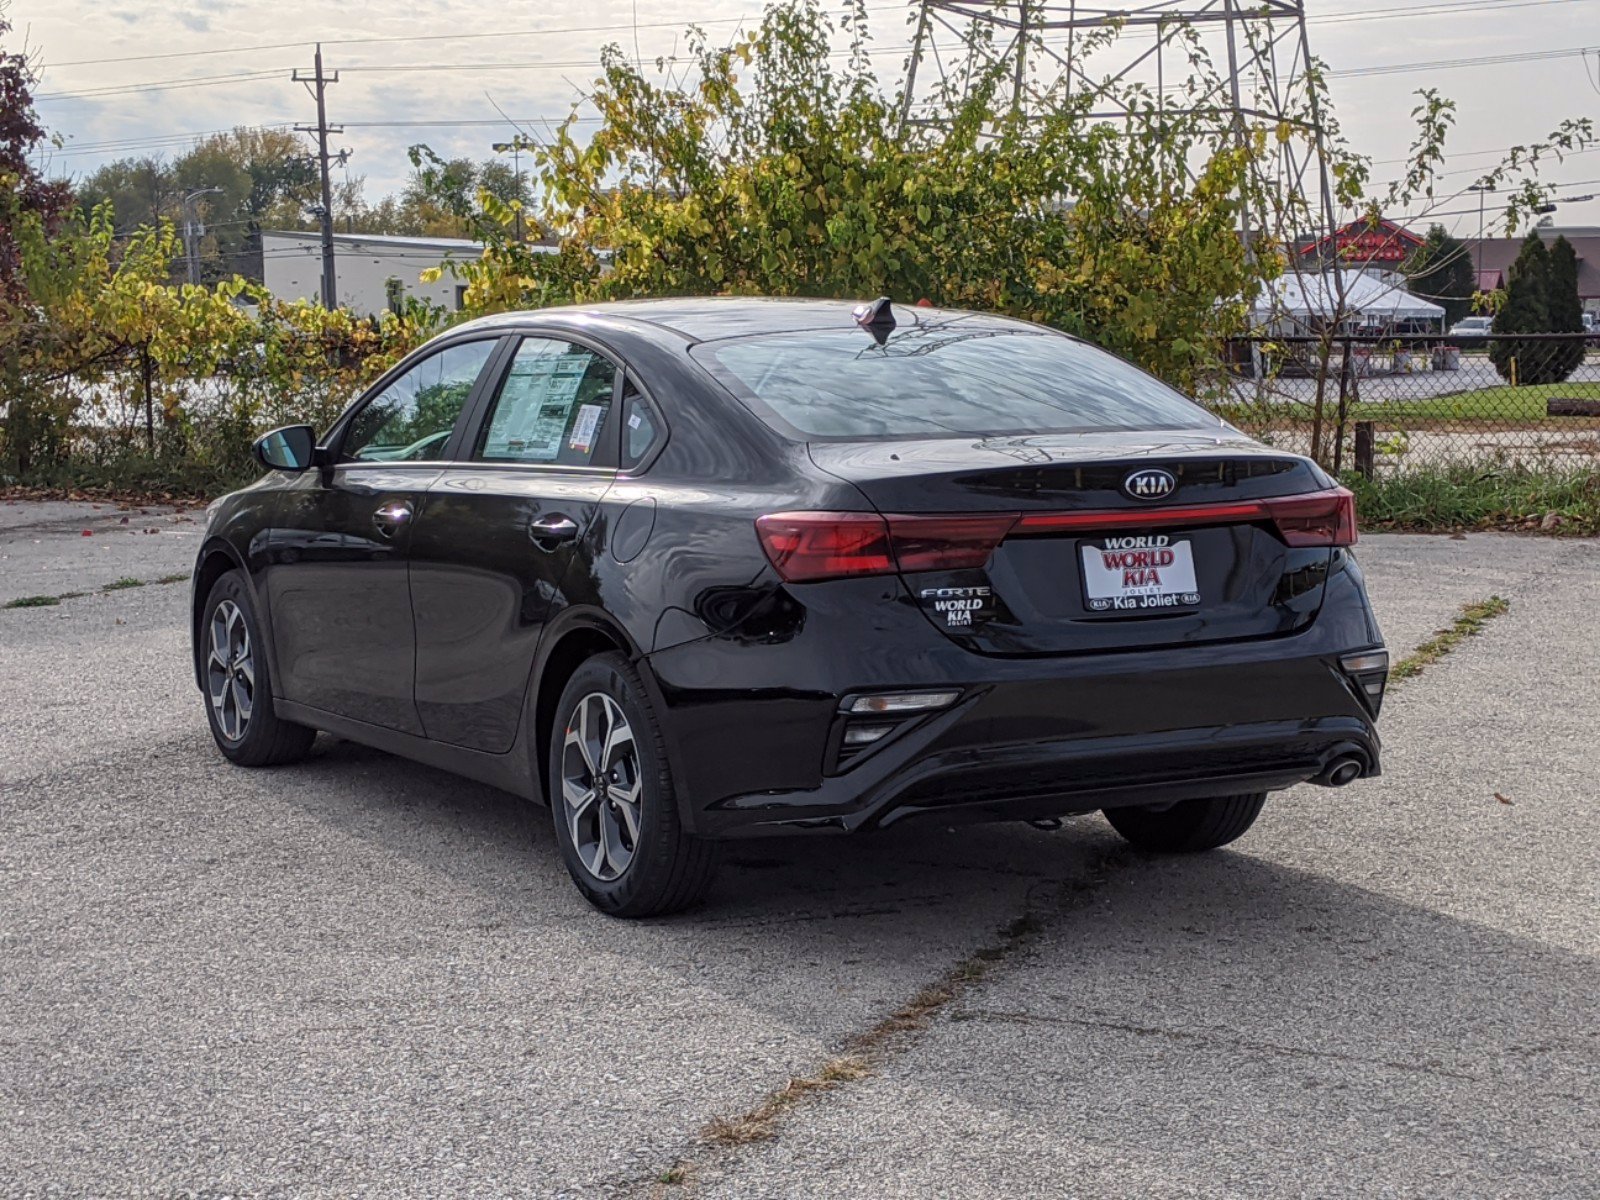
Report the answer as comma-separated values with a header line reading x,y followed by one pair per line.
x,y
357,976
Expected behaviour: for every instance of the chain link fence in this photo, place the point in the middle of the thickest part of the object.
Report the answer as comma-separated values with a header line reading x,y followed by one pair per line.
x,y
1388,404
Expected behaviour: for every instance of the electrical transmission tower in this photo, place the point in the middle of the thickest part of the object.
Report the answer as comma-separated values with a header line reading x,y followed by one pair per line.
x,y
1221,66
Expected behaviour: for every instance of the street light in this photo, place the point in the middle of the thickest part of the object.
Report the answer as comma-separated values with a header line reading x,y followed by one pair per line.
x,y
516,168
190,241
1482,189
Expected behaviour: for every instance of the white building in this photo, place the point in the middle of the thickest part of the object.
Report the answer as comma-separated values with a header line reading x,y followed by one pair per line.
x,y
364,263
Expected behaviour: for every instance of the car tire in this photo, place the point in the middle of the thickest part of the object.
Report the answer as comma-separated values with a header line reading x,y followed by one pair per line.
x,y
236,680
612,799
1189,825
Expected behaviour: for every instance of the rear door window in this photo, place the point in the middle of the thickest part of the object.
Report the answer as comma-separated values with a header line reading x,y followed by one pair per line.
x,y
956,376
552,407
642,429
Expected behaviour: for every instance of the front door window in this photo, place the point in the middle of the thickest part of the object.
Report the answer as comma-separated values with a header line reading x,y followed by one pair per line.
x,y
413,417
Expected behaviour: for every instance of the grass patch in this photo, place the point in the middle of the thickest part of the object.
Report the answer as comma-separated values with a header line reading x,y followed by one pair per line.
x,y
1498,403
116,585
1467,496
1469,624
865,1050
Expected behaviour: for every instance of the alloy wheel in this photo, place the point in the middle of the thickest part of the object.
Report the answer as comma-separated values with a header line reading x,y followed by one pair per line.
x,y
230,670
601,787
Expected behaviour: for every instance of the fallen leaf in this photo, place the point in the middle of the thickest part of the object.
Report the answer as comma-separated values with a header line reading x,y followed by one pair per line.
x,y
124,521
1502,799
88,533
1458,537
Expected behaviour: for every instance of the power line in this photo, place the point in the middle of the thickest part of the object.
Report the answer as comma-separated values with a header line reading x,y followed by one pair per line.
x,y
569,64
1430,10
163,85
1376,14
1451,63
441,37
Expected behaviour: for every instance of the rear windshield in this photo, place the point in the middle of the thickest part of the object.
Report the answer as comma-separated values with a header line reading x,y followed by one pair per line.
x,y
942,378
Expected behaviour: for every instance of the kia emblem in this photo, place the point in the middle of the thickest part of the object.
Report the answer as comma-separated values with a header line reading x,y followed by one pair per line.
x,y
1151,483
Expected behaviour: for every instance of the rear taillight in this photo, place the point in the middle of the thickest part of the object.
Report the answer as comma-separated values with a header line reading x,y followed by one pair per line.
x,y
809,546
947,543
1315,519
1326,518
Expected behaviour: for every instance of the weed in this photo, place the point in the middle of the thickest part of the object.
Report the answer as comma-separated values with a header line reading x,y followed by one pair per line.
x,y
1477,497
127,581
32,602
1470,623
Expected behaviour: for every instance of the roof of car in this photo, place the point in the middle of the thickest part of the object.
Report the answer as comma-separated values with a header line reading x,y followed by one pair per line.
x,y
704,318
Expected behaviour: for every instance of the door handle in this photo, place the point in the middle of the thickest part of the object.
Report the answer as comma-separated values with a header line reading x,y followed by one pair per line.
x,y
391,518
552,530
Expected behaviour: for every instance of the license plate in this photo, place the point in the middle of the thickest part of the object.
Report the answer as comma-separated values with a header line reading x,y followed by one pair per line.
x,y
1137,574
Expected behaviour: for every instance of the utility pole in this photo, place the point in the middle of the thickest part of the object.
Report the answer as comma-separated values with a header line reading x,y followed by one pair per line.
x,y
192,231
317,83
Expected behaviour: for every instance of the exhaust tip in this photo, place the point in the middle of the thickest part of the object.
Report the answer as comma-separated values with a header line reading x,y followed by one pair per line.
x,y
1343,772
1345,765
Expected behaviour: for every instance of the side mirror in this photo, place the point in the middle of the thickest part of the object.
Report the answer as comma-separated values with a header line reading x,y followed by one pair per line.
x,y
292,448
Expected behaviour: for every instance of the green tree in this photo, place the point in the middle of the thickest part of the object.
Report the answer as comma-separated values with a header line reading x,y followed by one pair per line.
x,y
31,423
1441,270
1525,310
1565,308
770,167
137,189
254,178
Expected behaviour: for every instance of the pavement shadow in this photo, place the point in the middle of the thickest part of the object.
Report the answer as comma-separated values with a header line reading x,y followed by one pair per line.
x,y
1225,1025
780,879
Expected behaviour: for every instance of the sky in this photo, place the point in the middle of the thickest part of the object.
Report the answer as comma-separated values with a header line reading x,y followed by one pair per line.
x,y
450,73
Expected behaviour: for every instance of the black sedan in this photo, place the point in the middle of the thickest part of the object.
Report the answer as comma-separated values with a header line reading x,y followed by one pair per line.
x,y
693,570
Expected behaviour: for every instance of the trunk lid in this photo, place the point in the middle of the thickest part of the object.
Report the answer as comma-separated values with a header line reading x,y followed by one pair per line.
x,y
1090,565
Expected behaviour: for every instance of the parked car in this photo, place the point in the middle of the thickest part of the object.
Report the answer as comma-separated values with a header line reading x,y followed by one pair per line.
x,y
694,570
1472,332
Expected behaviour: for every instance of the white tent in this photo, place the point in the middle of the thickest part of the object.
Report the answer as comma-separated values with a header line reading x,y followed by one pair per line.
x,y
1367,300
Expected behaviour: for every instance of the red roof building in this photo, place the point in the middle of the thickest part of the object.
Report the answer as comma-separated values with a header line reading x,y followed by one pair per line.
x,y
1362,243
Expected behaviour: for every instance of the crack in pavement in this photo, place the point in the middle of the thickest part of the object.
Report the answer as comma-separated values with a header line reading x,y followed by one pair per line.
x,y
723,1138
1233,1043
866,1052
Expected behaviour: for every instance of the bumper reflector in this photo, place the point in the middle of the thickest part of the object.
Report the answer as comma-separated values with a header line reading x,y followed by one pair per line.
x,y
1367,660
865,735
1370,671
897,703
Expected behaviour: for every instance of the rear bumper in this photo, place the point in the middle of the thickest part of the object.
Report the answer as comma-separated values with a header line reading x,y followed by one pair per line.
x,y
1031,739
1010,780
753,724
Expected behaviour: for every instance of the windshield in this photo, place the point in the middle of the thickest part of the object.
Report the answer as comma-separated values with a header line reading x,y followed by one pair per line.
x,y
945,378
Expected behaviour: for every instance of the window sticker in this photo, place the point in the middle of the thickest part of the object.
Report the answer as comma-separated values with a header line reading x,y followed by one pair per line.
x,y
633,421
535,404
583,428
